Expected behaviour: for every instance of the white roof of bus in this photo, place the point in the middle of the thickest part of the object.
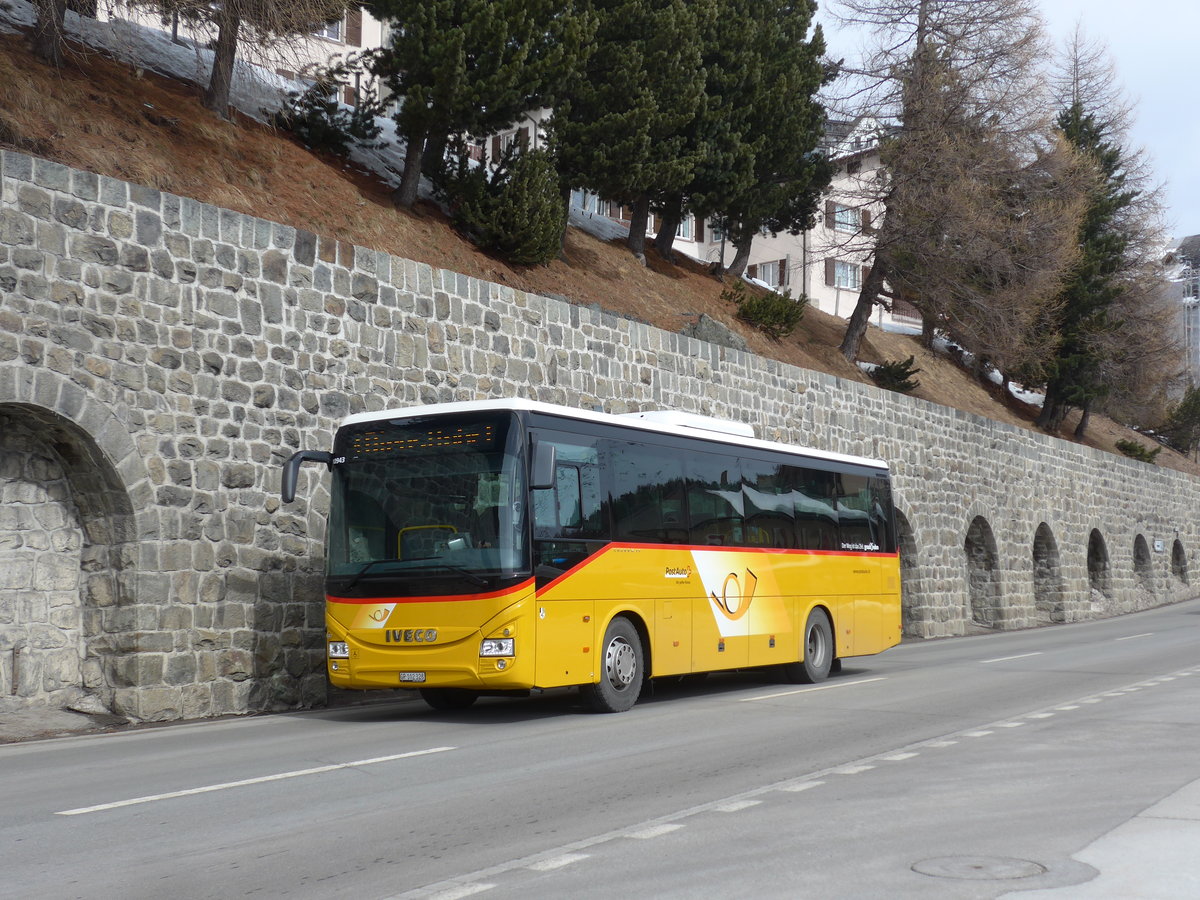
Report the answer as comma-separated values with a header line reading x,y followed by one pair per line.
x,y
672,423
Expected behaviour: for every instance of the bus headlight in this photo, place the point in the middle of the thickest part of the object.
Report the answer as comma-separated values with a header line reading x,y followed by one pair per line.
x,y
339,650
497,647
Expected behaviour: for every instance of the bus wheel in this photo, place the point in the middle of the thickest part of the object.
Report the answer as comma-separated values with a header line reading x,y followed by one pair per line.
x,y
623,669
818,651
448,698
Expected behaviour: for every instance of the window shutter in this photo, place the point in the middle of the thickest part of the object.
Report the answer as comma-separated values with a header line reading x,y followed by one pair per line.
x,y
354,26
830,274
830,212
783,273
699,231
523,137
348,96
496,151
867,227
752,271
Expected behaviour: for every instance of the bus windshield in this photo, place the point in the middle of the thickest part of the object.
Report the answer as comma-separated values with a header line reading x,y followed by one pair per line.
x,y
428,505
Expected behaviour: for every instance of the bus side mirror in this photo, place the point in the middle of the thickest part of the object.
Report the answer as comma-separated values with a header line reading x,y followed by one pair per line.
x,y
545,458
291,470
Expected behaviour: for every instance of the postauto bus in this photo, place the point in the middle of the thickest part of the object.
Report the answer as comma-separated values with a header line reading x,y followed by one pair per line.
x,y
506,546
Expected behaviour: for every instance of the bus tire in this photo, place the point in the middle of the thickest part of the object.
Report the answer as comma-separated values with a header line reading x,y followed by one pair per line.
x,y
623,669
818,651
448,699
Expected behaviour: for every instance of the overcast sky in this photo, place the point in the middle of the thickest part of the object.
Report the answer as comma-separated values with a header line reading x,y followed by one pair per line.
x,y
1156,47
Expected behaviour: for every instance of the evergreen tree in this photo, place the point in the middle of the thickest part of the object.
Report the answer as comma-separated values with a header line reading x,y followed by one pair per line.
x,y
760,168
470,67
619,123
1074,373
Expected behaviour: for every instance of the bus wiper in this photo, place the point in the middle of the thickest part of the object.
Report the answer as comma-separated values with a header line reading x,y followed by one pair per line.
x,y
363,571
465,573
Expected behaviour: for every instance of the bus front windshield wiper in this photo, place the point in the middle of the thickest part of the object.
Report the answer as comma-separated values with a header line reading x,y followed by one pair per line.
x,y
363,571
458,570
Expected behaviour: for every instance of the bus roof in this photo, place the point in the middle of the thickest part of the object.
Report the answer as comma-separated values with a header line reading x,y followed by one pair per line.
x,y
721,431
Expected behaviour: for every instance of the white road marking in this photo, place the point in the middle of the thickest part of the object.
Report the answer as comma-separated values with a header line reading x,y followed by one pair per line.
x,y
899,757
1007,658
263,779
819,687
556,862
463,890
1067,708
852,770
945,743
653,831
1041,715
737,805
1130,637
801,786
1010,724
980,733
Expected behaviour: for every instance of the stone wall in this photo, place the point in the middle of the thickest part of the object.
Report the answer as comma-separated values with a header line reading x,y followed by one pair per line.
x,y
160,359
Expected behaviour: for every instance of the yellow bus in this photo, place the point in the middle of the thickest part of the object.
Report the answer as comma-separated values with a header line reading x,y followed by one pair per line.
x,y
507,546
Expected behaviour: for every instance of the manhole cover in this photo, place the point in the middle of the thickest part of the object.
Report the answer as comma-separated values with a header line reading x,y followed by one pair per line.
x,y
978,868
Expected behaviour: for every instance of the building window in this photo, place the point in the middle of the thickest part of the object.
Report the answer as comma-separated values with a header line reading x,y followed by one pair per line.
x,y
847,275
330,30
846,218
685,229
768,273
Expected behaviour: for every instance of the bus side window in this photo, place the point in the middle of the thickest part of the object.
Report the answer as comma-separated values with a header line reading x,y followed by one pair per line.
x,y
715,503
813,497
647,494
767,500
881,514
574,507
854,514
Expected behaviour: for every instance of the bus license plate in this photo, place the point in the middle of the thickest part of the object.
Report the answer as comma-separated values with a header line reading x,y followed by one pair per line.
x,y
412,676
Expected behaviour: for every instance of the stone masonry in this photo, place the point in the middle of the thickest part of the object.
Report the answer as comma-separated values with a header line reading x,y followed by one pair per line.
x,y
160,359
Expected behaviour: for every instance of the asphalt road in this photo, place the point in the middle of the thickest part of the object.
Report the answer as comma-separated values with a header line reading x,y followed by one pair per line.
x,y
961,768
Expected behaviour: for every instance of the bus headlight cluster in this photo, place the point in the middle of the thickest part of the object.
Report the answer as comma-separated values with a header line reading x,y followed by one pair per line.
x,y
497,647
339,650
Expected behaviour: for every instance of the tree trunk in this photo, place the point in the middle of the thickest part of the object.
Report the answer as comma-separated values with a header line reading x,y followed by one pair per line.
x,y
741,255
861,317
1084,419
928,331
405,196
672,215
1053,412
48,32
637,227
216,97
433,156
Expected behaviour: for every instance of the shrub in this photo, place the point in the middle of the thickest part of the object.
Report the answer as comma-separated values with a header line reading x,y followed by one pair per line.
x,y
516,210
897,375
1134,450
322,123
772,313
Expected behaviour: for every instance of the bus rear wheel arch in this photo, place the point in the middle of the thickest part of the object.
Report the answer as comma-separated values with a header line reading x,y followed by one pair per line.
x,y
622,660
818,649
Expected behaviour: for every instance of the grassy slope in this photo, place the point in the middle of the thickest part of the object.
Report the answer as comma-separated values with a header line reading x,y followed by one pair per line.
x,y
107,118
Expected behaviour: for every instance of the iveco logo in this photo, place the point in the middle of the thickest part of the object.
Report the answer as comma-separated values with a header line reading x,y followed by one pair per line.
x,y
410,635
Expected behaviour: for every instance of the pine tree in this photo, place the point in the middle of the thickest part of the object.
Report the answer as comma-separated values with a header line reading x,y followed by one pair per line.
x,y
1074,374
618,124
763,169
470,67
